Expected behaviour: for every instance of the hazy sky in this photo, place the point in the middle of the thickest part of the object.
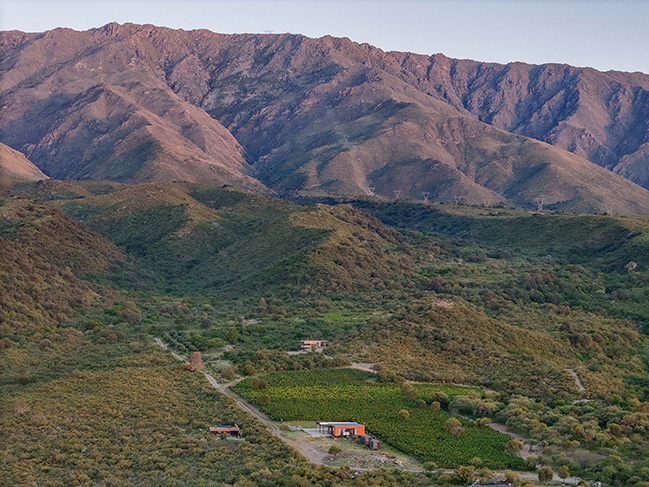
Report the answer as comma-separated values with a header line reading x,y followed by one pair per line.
x,y
611,34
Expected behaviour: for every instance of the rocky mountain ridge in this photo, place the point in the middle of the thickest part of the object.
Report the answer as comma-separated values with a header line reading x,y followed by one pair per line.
x,y
139,102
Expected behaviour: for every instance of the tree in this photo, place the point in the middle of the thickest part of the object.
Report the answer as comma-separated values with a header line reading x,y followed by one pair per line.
x,y
227,373
232,334
531,462
564,472
481,422
261,307
454,426
511,477
435,406
464,474
452,423
335,450
195,362
404,414
615,429
546,474
439,397
409,391
430,466
514,446
264,399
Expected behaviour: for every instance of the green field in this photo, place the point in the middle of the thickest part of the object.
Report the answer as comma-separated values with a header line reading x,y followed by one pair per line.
x,y
353,395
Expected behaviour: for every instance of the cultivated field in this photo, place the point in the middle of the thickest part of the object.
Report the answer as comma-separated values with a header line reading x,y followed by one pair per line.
x,y
354,395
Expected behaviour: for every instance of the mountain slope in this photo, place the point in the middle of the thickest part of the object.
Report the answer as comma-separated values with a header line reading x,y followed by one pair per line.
x,y
129,103
14,165
87,121
603,117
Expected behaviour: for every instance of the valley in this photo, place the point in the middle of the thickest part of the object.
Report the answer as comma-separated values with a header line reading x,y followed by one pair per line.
x,y
455,317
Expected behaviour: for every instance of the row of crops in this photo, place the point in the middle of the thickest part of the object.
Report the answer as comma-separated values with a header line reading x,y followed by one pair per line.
x,y
354,395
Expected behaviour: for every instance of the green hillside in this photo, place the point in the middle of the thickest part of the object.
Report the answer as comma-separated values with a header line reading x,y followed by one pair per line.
x,y
516,303
194,238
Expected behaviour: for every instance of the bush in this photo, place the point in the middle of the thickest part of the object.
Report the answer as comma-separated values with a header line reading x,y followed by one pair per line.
x,y
546,474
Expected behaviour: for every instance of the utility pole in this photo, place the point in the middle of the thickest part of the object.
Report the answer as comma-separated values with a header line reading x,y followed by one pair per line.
x,y
539,203
397,193
426,196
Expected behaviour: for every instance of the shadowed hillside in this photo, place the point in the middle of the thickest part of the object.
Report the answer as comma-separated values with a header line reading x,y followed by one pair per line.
x,y
192,237
45,258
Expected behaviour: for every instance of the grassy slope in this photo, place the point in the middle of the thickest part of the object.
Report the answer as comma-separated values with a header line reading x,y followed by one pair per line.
x,y
518,317
603,241
233,243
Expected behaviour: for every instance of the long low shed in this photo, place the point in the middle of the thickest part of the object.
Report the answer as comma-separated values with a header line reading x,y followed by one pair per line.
x,y
229,429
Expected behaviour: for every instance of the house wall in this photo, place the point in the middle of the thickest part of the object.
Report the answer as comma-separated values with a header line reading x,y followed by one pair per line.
x,y
338,430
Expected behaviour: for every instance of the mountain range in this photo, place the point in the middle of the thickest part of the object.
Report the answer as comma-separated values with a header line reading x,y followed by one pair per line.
x,y
288,113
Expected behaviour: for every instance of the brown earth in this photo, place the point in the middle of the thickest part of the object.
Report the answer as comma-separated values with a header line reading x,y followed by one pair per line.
x,y
139,102
14,165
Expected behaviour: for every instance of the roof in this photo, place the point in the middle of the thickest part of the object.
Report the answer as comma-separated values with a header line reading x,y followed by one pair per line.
x,y
343,423
225,427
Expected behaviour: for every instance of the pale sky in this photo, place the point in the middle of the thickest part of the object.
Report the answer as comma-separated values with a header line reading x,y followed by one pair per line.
x,y
604,34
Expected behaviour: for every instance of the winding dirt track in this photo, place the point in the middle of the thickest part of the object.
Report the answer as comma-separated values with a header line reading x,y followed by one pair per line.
x,y
580,386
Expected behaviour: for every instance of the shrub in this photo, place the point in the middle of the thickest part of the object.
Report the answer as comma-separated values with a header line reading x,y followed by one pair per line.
x,y
546,474
334,450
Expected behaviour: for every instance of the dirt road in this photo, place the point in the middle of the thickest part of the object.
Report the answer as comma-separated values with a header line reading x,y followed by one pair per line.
x,y
365,367
580,386
501,428
318,457
311,454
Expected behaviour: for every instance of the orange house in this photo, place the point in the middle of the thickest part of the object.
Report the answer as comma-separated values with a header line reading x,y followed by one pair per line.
x,y
347,428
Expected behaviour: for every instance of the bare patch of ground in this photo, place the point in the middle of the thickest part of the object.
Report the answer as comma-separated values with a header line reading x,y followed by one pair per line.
x,y
367,367
580,386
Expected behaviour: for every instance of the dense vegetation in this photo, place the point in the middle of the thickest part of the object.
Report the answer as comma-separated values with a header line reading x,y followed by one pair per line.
x,y
92,403
509,301
351,395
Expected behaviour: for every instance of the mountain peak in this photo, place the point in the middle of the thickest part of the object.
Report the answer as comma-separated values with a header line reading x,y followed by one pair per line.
x,y
324,115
